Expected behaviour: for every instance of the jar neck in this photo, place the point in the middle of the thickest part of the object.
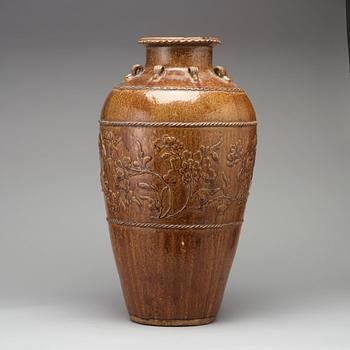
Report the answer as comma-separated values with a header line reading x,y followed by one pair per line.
x,y
179,56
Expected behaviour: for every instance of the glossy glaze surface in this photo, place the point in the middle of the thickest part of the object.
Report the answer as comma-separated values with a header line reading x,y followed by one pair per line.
x,y
177,146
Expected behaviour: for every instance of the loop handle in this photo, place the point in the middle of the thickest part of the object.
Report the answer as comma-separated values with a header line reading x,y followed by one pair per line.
x,y
194,73
220,71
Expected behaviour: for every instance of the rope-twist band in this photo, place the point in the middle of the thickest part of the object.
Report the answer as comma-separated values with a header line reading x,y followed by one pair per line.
x,y
237,124
173,226
175,88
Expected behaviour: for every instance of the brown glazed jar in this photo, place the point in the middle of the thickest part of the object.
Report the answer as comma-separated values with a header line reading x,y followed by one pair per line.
x,y
177,148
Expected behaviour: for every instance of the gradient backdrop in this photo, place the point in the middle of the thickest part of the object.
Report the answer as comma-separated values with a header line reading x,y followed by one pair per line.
x,y
290,283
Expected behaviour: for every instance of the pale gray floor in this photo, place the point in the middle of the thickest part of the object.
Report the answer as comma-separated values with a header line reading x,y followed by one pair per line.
x,y
290,285
320,322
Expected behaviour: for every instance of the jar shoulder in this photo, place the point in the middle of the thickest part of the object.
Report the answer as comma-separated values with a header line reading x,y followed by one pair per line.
x,y
145,103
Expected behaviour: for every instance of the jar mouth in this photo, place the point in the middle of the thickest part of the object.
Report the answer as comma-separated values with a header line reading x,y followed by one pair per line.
x,y
179,40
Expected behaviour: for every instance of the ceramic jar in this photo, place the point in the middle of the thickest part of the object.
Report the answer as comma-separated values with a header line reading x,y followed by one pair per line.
x,y
177,148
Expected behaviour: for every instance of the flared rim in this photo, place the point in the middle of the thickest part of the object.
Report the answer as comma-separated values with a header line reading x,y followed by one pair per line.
x,y
176,40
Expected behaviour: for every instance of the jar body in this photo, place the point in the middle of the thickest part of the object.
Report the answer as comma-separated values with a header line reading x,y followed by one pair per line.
x,y
177,150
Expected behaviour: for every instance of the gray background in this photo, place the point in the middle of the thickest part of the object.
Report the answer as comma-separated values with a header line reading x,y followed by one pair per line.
x,y
289,286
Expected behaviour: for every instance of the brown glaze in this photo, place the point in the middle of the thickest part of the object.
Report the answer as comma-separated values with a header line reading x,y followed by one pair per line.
x,y
177,149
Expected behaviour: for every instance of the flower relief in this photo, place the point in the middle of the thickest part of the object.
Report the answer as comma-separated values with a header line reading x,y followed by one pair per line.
x,y
133,181
243,159
191,167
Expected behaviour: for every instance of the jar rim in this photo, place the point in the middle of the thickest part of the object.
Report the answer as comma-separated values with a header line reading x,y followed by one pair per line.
x,y
179,40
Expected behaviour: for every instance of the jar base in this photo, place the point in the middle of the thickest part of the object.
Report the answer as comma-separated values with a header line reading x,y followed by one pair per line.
x,y
172,323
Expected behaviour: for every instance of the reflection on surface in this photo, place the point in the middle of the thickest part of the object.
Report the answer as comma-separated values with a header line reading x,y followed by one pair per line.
x,y
171,96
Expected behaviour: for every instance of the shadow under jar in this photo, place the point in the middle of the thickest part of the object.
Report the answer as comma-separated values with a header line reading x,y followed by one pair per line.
x,y
177,148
